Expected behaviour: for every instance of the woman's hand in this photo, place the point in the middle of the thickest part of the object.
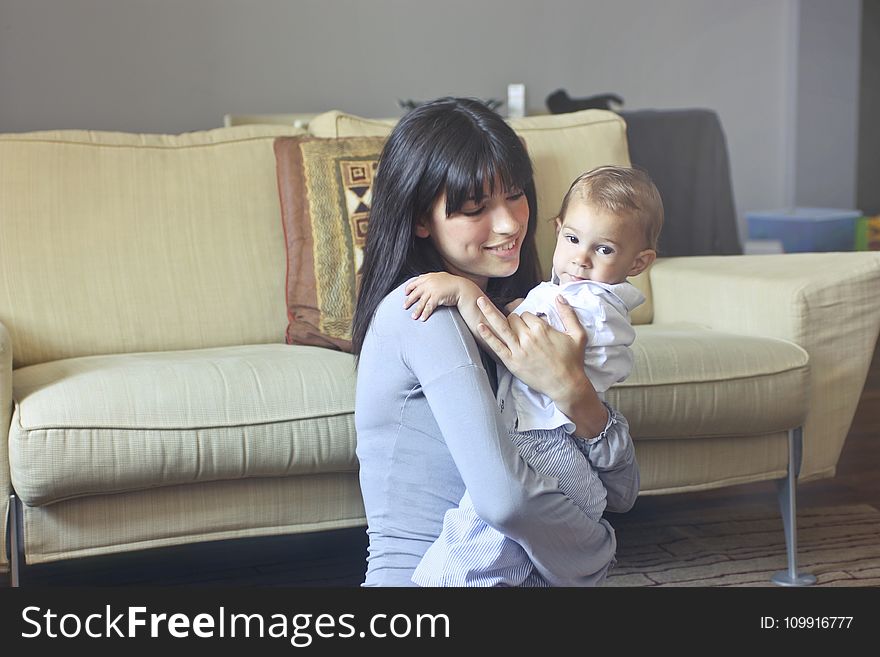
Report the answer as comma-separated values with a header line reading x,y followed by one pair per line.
x,y
547,360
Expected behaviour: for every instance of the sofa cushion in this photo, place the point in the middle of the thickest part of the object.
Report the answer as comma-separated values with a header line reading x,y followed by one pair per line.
x,y
119,243
693,382
105,424
325,188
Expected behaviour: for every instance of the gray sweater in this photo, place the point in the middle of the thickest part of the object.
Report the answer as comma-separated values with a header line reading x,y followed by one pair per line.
x,y
428,426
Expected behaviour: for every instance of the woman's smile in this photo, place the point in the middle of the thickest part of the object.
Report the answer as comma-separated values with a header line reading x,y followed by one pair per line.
x,y
507,250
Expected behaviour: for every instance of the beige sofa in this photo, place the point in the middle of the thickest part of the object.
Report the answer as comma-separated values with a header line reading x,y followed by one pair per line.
x,y
147,397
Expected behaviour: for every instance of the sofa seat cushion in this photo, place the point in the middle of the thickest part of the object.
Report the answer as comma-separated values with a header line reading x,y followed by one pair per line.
x,y
693,382
105,424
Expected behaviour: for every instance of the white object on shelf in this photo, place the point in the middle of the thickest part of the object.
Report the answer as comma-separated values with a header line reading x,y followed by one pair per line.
x,y
516,100
296,120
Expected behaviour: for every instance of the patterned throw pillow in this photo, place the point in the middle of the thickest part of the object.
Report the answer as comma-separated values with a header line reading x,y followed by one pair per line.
x,y
325,188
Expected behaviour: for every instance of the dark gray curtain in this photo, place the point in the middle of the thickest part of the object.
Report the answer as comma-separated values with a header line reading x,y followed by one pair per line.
x,y
685,152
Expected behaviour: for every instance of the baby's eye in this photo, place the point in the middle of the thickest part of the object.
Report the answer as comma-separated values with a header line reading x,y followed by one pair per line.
x,y
571,239
515,196
604,250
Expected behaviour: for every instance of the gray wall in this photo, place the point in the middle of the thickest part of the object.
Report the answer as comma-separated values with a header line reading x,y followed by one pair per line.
x,y
868,187
179,65
827,103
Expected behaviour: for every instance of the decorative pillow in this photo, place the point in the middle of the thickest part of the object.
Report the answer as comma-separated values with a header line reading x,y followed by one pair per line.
x,y
325,188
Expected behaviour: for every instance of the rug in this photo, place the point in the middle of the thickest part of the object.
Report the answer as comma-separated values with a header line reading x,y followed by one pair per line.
x,y
744,547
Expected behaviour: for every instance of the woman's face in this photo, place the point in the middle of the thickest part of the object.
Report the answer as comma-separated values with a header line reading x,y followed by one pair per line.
x,y
483,239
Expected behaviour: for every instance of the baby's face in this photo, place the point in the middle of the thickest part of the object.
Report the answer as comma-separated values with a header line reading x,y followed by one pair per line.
x,y
594,245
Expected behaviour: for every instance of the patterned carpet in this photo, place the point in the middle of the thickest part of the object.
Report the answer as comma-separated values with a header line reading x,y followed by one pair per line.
x,y
743,547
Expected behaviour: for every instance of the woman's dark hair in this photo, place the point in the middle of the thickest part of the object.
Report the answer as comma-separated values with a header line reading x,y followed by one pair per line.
x,y
456,145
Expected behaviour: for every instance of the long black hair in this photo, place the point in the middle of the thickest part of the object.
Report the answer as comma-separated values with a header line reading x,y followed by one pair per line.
x,y
453,145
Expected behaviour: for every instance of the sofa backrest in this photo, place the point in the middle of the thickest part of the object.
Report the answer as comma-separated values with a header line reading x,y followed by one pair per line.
x,y
113,243
561,147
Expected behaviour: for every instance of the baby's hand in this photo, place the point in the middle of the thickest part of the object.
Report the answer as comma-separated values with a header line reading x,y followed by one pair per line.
x,y
427,292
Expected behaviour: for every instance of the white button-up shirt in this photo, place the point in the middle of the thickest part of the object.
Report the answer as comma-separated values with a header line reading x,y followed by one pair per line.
x,y
603,310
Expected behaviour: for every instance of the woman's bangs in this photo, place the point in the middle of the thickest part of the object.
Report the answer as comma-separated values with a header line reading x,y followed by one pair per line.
x,y
470,177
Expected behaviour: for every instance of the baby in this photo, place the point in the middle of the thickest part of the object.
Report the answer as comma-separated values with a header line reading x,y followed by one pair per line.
x,y
607,230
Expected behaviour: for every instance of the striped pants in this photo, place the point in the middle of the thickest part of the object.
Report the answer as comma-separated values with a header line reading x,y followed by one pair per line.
x,y
469,552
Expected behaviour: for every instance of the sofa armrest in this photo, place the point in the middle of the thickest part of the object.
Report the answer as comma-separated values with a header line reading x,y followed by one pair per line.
x,y
5,419
825,302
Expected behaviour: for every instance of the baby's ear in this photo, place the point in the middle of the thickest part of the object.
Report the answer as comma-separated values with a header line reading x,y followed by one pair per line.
x,y
557,222
642,261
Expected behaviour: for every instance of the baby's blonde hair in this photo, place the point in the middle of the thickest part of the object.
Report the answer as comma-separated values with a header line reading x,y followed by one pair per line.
x,y
624,192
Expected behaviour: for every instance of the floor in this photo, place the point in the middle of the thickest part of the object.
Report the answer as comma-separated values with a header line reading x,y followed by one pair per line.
x,y
337,559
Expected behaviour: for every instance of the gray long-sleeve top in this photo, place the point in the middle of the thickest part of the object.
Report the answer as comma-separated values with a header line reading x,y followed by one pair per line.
x,y
428,426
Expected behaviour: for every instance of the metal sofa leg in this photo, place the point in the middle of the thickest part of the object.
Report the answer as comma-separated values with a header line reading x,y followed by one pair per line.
x,y
788,506
16,544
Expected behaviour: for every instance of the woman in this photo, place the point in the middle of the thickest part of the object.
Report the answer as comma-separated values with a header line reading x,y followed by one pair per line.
x,y
454,192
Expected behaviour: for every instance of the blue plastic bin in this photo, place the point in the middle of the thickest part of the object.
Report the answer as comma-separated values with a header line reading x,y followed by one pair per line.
x,y
806,229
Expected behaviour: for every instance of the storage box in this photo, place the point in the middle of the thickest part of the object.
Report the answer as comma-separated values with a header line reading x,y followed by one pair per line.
x,y
806,229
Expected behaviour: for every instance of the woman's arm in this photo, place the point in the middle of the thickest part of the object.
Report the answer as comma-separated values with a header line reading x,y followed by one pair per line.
x,y
551,362
426,293
567,548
